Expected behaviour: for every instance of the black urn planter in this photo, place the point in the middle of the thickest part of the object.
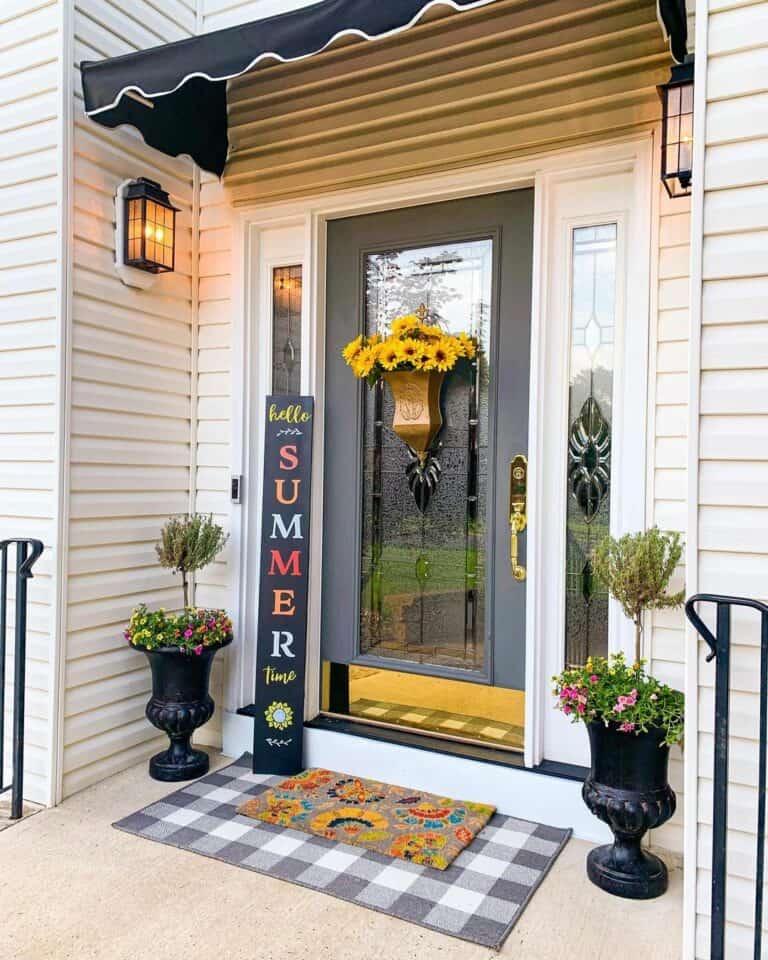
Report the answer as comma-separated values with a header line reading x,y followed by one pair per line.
x,y
180,703
627,788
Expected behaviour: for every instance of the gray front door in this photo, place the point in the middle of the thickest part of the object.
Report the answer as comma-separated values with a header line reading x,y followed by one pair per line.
x,y
428,592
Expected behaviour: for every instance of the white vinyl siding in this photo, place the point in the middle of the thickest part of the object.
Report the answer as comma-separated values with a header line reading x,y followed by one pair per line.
x,y
733,455
131,368
217,583
667,507
218,14
29,271
477,86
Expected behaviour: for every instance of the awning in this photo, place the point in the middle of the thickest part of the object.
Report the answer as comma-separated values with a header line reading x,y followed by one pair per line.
x,y
176,94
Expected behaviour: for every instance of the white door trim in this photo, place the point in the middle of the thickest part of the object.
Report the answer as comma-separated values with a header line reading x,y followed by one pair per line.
x,y
576,198
306,218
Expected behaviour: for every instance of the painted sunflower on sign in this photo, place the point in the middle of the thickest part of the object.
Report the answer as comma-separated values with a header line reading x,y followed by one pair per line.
x,y
279,715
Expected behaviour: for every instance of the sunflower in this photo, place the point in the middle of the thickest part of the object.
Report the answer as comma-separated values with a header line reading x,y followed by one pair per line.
x,y
430,331
404,325
441,355
410,350
391,355
278,715
466,345
352,349
365,361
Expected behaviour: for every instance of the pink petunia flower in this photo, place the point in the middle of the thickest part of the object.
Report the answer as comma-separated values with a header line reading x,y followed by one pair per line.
x,y
188,632
627,727
594,678
199,649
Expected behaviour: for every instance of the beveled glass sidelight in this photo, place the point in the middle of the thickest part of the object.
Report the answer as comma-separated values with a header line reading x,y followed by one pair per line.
x,y
286,330
423,574
150,227
590,406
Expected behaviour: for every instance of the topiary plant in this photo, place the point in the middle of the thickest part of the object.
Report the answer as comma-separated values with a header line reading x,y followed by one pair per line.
x,y
189,543
636,570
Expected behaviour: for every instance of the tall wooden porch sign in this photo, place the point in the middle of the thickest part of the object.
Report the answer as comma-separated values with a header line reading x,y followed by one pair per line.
x,y
278,711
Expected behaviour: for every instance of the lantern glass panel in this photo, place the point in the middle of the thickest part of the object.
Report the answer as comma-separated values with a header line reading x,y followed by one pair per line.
x,y
677,155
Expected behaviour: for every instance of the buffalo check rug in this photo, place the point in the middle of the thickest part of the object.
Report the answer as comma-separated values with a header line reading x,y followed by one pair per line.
x,y
479,897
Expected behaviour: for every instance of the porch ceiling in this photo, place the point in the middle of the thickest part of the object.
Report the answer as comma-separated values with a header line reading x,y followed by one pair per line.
x,y
176,94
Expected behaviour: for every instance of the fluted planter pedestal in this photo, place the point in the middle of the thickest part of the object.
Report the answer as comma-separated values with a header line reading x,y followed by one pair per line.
x,y
180,703
627,788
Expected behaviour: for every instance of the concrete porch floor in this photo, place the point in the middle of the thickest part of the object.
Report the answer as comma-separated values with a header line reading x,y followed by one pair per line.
x,y
73,887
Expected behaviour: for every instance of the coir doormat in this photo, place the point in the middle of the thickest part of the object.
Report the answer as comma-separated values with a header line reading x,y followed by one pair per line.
x,y
479,897
407,824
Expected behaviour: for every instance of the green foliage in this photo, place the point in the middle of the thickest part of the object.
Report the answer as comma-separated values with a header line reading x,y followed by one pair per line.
x,y
189,543
610,691
636,570
191,631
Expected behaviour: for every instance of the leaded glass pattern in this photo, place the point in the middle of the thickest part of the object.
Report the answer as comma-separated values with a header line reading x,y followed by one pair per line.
x,y
593,319
286,330
423,589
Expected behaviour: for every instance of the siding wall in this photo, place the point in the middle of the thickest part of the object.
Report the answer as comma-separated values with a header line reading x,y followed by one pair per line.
x,y
733,455
29,278
518,81
668,453
131,363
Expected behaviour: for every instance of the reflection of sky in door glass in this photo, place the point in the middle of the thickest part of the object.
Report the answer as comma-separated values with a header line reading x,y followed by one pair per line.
x,y
454,281
424,575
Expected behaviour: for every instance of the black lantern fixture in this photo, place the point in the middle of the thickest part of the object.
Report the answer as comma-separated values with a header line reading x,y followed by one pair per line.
x,y
150,227
677,130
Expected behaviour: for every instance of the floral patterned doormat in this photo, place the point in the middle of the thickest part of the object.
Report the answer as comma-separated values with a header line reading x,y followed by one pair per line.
x,y
479,897
407,824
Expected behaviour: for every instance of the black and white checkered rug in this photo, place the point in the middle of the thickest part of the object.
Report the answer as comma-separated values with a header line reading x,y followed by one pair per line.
x,y
478,898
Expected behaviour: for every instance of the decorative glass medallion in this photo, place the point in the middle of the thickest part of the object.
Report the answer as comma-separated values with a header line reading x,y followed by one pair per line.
x,y
593,317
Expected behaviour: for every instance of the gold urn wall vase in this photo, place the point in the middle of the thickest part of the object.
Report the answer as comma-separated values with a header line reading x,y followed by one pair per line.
x,y
417,421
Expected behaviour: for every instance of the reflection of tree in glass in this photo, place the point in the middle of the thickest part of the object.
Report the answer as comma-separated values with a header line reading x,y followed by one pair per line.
x,y
395,288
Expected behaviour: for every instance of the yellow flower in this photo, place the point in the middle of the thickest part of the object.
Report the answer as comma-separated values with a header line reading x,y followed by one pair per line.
x,y
405,324
441,355
364,362
466,346
391,355
352,349
429,330
410,350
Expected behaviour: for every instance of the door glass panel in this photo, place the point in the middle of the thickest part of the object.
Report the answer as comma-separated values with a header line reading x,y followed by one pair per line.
x,y
593,312
286,330
423,575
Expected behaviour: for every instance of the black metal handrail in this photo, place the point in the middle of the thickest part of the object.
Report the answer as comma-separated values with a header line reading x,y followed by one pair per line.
x,y
719,644
27,553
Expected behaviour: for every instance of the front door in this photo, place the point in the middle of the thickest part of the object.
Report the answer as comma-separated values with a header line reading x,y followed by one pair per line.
x,y
412,587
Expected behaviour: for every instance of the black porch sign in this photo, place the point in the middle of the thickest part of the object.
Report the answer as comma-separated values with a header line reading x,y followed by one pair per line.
x,y
278,711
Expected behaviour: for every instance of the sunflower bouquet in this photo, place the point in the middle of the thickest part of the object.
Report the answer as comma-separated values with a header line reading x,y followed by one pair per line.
x,y
412,345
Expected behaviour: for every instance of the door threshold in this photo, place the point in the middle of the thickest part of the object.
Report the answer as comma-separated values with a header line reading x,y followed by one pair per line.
x,y
449,747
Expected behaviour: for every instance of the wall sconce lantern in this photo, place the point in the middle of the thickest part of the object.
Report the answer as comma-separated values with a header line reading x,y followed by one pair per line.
x,y
145,232
150,227
677,130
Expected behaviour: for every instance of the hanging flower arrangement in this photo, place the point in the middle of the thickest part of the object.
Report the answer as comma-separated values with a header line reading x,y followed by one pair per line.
x,y
413,360
413,345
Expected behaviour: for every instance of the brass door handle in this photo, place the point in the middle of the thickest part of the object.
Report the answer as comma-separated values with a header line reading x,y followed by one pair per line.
x,y
518,512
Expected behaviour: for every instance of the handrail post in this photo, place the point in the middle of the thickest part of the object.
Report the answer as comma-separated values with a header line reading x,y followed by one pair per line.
x,y
720,651
19,682
3,628
720,786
